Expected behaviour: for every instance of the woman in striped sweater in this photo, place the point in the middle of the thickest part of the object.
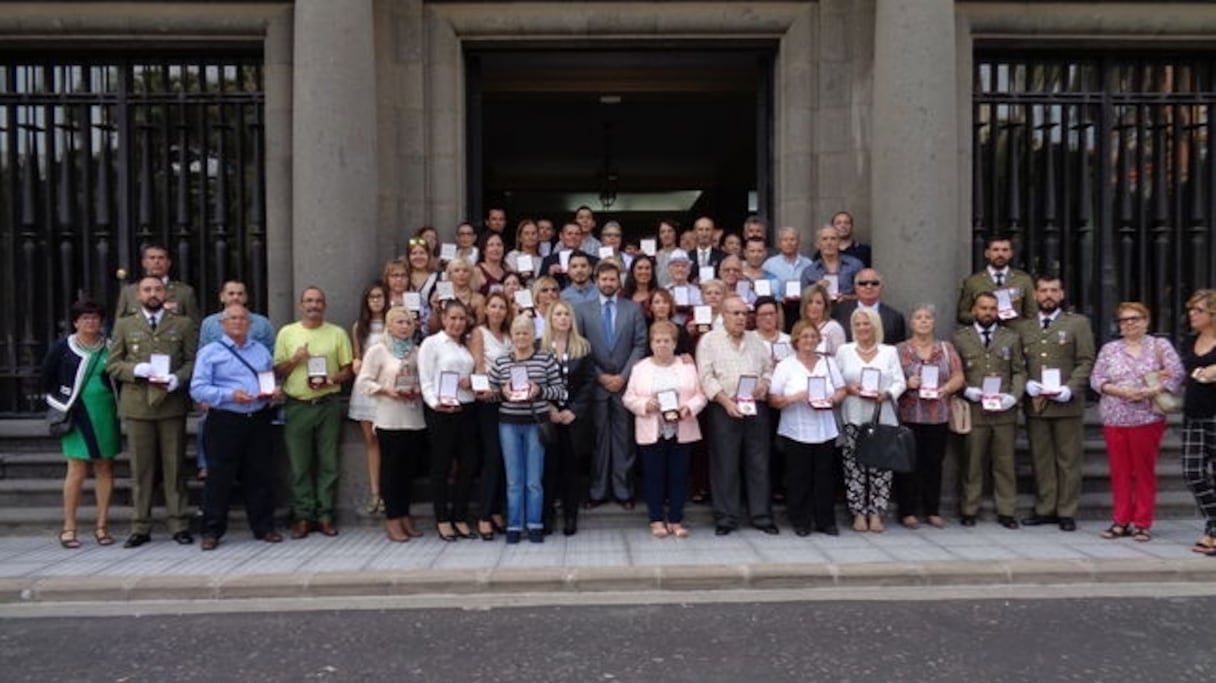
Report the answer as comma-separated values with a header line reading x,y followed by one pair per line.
x,y
525,381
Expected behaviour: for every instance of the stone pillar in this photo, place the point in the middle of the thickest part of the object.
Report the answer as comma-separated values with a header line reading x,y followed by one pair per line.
x,y
915,174
280,305
334,169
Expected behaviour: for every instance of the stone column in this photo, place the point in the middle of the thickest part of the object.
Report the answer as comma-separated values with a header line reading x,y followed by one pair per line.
x,y
915,174
334,169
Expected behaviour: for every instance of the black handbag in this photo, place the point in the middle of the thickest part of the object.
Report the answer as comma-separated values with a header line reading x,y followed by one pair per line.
x,y
58,422
886,447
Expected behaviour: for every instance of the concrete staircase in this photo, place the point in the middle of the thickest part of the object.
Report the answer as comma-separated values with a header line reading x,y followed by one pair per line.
x,y
32,471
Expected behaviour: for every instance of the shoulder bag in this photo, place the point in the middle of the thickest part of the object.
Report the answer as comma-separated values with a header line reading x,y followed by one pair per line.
x,y
59,422
1164,402
886,447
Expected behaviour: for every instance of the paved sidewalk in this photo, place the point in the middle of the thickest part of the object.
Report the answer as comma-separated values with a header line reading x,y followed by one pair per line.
x,y
361,562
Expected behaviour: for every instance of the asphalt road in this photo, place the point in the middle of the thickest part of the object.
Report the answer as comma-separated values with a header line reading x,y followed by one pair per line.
x,y
1098,639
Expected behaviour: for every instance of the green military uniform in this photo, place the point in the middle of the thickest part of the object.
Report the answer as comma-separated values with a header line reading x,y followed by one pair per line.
x,y
155,417
992,433
179,299
1021,293
1054,428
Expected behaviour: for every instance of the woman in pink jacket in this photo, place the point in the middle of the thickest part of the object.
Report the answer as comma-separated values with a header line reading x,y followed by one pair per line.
x,y
665,395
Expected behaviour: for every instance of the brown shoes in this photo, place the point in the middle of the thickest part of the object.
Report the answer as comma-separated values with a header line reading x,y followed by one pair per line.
x,y
300,528
270,537
209,543
327,528
394,530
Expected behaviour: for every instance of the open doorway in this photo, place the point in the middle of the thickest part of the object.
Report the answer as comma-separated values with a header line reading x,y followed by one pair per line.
x,y
638,135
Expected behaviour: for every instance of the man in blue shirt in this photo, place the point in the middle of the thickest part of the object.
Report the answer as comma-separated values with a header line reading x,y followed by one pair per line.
x,y
234,377
260,330
832,267
581,288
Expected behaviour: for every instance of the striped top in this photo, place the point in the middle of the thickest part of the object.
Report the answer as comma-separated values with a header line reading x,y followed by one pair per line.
x,y
543,371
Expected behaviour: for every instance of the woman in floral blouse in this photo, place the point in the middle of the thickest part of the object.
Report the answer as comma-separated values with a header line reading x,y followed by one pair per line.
x,y
1131,427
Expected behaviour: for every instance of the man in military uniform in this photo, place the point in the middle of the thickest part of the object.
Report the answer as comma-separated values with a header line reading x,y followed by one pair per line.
x,y
1013,288
989,350
154,402
178,298
1060,344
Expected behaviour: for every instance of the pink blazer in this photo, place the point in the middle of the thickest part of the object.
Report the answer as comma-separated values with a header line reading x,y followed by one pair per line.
x,y
637,393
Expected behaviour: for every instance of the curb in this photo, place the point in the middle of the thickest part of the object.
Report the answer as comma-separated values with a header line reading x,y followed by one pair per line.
x,y
670,578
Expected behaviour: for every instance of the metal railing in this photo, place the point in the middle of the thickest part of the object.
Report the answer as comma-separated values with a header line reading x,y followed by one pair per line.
x,y
99,157
1101,168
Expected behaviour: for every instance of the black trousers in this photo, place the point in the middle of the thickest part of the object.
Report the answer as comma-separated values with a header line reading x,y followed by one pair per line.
x,y
493,486
562,470
399,448
453,441
734,444
239,448
920,491
810,482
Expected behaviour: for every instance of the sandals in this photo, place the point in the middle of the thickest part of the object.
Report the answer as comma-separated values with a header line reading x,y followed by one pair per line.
x,y
67,539
102,535
679,531
1205,546
1141,535
1117,531
658,530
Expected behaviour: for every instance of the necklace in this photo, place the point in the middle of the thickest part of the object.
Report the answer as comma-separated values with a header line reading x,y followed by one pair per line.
x,y
95,346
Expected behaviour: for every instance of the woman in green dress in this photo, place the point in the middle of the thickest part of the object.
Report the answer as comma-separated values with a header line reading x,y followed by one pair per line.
x,y
75,381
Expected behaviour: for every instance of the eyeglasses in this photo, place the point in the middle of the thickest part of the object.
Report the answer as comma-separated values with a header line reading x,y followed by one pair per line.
x,y
869,283
1130,319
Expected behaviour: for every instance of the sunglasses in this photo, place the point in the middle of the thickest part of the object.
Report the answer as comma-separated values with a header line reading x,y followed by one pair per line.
x,y
869,283
417,242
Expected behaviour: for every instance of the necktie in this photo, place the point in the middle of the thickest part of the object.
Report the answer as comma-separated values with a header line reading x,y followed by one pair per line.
x,y
609,331
1046,322
152,322
1000,279
987,338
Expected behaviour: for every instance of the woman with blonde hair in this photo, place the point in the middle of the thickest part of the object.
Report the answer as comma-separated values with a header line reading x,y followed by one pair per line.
x,y
868,490
572,429
817,308
460,273
1199,412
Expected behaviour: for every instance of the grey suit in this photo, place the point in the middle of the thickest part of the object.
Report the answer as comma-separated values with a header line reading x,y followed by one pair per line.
x,y
614,447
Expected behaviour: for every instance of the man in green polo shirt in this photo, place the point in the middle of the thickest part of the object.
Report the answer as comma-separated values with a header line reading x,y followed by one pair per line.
x,y
313,358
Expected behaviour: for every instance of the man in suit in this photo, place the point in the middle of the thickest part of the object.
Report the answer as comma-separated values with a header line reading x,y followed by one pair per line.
x,y
616,329
989,350
154,405
179,297
706,255
569,241
868,285
1064,342
1000,279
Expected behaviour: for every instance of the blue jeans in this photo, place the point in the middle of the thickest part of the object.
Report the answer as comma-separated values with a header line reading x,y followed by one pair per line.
x,y
524,460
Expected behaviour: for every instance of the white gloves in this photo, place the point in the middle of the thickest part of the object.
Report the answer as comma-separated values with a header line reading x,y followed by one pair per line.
x,y
1033,388
1008,401
172,385
1064,396
143,370
972,394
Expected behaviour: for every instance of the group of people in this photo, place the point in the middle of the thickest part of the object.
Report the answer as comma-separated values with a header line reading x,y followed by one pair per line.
x,y
511,366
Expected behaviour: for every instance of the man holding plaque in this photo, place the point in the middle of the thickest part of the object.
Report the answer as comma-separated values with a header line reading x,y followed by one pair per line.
x,y
616,328
153,356
831,267
313,358
1012,288
735,368
1059,350
995,375
234,376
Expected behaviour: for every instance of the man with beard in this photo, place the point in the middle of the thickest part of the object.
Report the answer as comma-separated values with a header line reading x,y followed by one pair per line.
x,y
1011,287
153,357
616,329
990,353
313,357
569,242
178,298
1059,351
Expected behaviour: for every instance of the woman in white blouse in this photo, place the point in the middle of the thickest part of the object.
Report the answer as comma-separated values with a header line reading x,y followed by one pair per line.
x,y
389,375
872,376
450,419
487,343
807,430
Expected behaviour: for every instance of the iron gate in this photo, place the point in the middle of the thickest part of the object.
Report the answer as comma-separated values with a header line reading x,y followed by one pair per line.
x,y
1101,168
99,157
